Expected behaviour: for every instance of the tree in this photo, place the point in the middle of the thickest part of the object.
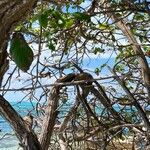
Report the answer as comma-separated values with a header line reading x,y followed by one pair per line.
x,y
71,30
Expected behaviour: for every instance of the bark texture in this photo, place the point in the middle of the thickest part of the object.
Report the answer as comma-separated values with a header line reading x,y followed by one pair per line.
x,y
138,50
26,136
11,12
50,117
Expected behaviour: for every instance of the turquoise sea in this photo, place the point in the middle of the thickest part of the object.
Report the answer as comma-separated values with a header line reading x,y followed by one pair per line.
x,y
8,140
22,108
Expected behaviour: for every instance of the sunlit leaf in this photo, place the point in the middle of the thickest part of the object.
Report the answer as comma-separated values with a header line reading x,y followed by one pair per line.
x,y
43,20
139,17
97,71
98,50
81,16
103,26
51,46
69,23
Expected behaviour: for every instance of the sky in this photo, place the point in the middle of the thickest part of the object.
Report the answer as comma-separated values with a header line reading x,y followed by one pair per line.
x,y
89,64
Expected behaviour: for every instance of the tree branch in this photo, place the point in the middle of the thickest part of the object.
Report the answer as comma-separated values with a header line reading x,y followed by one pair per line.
x,y
26,136
135,102
11,12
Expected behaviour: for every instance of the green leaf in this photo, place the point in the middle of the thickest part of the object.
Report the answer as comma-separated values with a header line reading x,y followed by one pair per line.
x,y
43,20
118,15
67,8
113,38
53,24
139,17
102,66
98,50
97,71
81,16
146,48
57,17
141,38
20,52
51,46
133,31
120,68
69,23
103,26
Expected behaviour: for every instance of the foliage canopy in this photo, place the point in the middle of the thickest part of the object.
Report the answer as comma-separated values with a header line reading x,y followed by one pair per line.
x,y
98,54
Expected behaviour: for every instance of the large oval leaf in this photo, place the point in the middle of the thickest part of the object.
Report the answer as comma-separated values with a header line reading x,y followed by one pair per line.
x,y
20,52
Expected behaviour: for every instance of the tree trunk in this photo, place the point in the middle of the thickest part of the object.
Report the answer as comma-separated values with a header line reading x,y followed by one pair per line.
x,y
11,12
62,141
138,50
26,136
50,118
126,30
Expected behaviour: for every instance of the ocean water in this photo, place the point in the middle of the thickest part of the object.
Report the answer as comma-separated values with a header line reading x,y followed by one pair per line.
x,y
8,140
22,108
